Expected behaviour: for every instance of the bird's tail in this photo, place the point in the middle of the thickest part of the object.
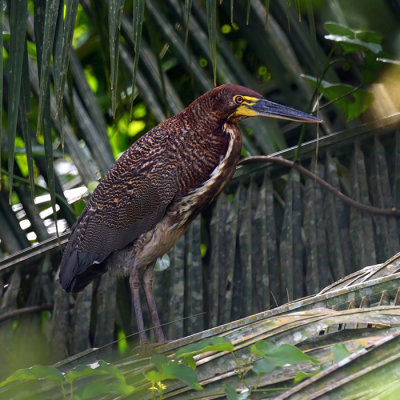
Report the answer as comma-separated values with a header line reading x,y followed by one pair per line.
x,y
78,268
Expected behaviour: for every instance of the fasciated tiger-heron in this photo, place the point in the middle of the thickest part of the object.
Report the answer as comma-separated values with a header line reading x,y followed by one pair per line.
x,y
148,199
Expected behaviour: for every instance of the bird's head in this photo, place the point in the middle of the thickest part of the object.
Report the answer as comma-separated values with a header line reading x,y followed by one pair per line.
x,y
238,102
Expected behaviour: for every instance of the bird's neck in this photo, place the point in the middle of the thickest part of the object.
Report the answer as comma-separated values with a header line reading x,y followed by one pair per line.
x,y
203,118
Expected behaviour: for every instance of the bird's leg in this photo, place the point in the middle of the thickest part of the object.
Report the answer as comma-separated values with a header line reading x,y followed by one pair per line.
x,y
148,289
134,283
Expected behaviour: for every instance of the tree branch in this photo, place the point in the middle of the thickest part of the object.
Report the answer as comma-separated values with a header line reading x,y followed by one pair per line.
x,y
25,310
323,183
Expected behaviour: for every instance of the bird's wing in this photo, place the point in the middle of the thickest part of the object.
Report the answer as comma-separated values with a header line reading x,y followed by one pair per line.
x,y
119,212
129,201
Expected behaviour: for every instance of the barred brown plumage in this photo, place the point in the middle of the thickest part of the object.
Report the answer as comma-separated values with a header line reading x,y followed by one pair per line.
x,y
156,188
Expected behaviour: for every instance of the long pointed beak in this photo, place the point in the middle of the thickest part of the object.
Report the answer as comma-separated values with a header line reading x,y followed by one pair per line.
x,y
266,108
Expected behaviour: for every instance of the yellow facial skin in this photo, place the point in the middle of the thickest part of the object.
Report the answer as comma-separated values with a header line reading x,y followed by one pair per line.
x,y
243,109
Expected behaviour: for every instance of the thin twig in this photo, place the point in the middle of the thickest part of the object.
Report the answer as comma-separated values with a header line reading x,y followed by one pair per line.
x,y
323,183
25,310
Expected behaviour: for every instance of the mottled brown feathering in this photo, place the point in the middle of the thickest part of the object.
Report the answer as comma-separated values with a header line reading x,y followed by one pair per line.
x,y
149,197
165,178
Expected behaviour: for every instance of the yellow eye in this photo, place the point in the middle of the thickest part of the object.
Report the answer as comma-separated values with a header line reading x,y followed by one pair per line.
x,y
238,99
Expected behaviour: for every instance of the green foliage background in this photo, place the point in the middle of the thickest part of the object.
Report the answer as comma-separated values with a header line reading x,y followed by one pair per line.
x,y
68,107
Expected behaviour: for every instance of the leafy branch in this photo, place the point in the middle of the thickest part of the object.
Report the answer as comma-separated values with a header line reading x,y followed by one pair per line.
x,y
104,378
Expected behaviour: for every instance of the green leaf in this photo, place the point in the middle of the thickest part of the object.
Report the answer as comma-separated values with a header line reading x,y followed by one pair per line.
x,y
353,40
231,393
174,370
18,18
36,372
369,36
189,361
359,101
351,100
289,354
300,376
154,376
263,366
96,389
183,373
371,68
170,369
159,360
338,29
262,348
98,368
353,45
339,352
277,356
211,344
363,35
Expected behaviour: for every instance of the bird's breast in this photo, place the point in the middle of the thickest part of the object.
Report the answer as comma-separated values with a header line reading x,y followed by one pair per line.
x,y
183,211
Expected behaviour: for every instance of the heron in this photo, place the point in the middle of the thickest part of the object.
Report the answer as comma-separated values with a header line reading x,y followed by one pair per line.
x,y
152,193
